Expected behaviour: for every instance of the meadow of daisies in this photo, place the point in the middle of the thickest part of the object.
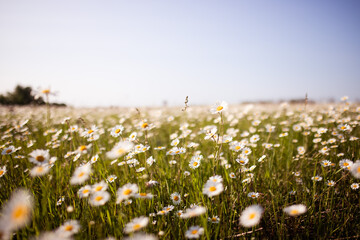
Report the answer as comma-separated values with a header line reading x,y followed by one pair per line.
x,y
213,172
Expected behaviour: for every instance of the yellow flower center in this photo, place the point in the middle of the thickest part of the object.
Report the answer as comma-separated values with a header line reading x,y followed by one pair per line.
x,y
90,131
117,131
98,198
127,192
40,158
195,164
20,212
194,232
212,189
144,125
8,151
81,174
176,198
252,216
358,169
121,151
86,191
346,164
98,188
137,226
46,91
69,228
237,147
82,148
1,172
294,212
219,108
143,194
39,169
214,219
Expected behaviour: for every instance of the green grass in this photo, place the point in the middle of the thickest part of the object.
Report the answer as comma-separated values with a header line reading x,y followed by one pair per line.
x,y
333,212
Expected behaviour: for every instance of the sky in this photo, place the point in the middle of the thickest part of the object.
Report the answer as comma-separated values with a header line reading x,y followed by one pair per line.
x,y
145,52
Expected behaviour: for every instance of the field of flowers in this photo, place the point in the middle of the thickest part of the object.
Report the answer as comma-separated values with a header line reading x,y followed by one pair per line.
x,y
214,172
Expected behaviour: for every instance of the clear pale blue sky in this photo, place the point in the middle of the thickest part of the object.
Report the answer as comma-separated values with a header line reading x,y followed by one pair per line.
x,y
134,53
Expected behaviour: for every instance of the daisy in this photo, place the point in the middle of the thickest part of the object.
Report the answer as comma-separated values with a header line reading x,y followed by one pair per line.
x,y
194,163
354,186
296,127
16,212
141,236
74,128
194,232
345,164
81,174
193,212
144,195
39,156
9,150
295,210
88,132
214,219
84,191
212,188
253,195
83,149
243,160
175,142
175,197
117,130
151,183
251,215
355,169
126,191
39,170
254,138
94,159
2,171
262,158
132,137
330,183
232,175
316,178
136,224
246,151
111,178
150,160
216,178
236,146
211,133
68,229
325,163
301,150
219,107
120,149
99,198
166,210
99,187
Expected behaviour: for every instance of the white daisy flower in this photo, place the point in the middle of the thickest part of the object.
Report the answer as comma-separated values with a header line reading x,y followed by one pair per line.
x,y
251,215
295,210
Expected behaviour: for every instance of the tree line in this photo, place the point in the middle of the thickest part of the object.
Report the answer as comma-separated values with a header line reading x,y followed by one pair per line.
x,y
23,96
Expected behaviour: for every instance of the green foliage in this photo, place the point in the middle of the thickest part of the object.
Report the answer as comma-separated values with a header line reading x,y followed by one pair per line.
x,y
21,96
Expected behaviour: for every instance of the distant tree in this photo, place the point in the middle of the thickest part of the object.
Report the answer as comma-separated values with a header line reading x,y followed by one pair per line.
x,y
21,96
